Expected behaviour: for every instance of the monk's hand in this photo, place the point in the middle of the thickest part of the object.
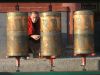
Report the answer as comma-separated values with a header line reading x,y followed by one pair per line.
x,y
35,37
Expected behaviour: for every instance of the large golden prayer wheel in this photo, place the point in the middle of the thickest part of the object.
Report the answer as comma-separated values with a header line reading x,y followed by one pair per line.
x,y
83,32
17,40
50,34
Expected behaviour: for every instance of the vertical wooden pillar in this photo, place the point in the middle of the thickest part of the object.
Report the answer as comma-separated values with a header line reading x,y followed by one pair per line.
x,y
70,34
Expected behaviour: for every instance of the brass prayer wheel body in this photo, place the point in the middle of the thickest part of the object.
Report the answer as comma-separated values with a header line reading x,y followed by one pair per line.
x,y
50,33
17,40
83,31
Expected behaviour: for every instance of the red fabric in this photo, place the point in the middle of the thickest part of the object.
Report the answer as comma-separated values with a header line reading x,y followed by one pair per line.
x,y
31,29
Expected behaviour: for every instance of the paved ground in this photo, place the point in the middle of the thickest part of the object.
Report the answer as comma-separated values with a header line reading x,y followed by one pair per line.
x,y
68,63
43,65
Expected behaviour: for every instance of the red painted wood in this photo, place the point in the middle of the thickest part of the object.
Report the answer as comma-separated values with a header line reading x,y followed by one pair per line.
x,y
28,7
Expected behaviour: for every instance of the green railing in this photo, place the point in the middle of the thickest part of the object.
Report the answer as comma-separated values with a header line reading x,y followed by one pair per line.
x,y
52,73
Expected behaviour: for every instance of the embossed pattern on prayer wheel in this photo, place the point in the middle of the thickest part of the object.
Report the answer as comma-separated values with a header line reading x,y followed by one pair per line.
x,y
17,40
83,31
50,34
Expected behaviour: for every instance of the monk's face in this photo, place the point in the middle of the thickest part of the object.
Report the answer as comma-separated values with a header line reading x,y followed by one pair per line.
x,y
34,17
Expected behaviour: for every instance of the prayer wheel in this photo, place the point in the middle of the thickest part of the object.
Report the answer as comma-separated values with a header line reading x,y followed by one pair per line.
x,y
83,32
50,34
17,39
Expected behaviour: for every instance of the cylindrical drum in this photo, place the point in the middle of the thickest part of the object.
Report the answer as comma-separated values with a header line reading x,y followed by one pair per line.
x,y
83,32
17,40
50,33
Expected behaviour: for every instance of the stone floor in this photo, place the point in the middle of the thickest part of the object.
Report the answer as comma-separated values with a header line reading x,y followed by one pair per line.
x,y
43,65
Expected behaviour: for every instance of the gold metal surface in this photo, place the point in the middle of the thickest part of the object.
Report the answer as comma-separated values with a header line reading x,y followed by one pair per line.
x,y
83,32
17,40
50,34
